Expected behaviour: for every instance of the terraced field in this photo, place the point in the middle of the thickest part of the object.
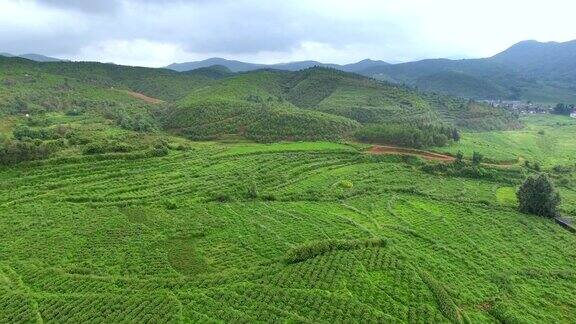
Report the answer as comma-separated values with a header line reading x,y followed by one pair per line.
x,y
303,232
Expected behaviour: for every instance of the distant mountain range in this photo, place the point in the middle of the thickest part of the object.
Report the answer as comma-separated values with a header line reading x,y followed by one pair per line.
x,y
34,57
529,70
237,66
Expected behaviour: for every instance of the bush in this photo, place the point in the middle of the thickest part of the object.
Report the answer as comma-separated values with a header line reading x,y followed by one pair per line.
x,y
252,191
346,184
477,158
562,169
313,249
14,151
170,204
459,157
222,197
538,196
106,147
160,149
94,148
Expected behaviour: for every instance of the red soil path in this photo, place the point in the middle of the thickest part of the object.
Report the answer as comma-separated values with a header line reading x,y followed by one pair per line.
x,y
379,149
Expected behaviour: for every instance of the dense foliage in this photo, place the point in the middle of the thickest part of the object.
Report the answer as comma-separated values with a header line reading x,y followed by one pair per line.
x,y
538,196
16,151
416,136
564,109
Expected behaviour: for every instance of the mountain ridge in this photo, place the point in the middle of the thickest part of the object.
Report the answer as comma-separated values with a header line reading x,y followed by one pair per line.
x,y
239,66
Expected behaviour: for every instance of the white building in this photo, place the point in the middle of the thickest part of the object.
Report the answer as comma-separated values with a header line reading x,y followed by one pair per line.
x,y
573,115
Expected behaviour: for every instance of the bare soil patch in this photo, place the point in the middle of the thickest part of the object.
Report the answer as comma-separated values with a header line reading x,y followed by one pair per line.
x,y
142,97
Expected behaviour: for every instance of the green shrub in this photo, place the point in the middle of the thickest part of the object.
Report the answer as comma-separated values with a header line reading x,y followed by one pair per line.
x,y
313,249
538,196
252,191
16,151
94,148
477,158
222,197
170,204
346,184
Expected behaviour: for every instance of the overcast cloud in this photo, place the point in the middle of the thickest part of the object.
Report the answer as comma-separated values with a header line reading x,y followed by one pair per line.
x,y
159,32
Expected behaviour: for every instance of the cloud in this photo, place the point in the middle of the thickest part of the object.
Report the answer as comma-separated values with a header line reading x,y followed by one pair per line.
x,y
129,31
89,6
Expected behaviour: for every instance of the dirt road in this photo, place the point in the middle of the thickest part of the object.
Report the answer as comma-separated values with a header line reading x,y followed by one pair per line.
x,y
380,149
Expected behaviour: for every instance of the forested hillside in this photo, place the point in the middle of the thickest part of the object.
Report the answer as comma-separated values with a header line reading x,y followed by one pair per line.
x,y
265,105
320,94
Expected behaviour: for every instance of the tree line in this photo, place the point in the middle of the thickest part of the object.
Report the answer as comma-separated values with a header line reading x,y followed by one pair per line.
x,y
408,135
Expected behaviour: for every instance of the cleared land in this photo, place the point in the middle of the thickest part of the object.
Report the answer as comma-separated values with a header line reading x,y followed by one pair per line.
x,y
142,97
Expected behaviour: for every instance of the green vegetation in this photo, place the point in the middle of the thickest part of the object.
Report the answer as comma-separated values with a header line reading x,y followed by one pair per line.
x,y
313,249
112,238
109,216
564,109
538,196
326,104
546,139
408,136
264,106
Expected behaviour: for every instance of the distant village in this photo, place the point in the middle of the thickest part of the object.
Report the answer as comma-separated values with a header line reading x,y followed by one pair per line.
x,y
524,107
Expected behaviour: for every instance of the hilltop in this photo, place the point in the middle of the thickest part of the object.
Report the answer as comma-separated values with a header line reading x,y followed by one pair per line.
x,y
237,66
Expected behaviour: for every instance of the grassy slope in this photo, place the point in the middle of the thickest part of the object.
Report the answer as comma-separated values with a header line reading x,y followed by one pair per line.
x,y
548,140
143,239
28,88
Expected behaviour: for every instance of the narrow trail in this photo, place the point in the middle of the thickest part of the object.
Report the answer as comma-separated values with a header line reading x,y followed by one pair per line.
x,y
141,96
379,149
427,155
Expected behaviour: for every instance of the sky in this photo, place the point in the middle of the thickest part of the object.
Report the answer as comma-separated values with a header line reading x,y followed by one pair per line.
x,y
159,32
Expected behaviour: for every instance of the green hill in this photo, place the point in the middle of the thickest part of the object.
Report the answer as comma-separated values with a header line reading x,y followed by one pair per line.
x,y
313,97
265,105
108,216
464,85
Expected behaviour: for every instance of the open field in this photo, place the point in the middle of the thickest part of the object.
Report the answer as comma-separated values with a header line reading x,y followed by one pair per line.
x,y
546,139
204,235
